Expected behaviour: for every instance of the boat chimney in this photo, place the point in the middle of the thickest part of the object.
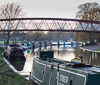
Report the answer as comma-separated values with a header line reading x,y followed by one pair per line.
x,y
45,57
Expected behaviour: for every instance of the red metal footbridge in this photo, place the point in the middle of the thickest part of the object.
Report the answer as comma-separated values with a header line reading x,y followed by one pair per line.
x,y
49,24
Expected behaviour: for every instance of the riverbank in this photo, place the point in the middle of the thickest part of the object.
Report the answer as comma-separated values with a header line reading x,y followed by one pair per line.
x,y
8,76
94,48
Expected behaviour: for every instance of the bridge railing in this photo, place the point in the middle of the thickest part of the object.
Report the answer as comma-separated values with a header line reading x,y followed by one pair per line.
x,y
49,24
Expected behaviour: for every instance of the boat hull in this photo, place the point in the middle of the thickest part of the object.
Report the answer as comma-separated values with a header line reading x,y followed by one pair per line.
x,y
49,72
32,81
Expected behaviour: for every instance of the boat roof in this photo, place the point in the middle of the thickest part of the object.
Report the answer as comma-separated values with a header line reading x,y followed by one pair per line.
x,y
76,66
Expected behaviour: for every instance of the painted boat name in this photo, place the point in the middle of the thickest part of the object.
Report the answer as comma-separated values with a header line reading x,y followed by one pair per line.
x,y
63,78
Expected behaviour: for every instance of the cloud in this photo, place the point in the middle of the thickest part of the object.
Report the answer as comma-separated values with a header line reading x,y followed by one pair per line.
x,y
50,8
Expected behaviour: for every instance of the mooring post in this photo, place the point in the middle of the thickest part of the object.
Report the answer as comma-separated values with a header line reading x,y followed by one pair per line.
x,y
64,44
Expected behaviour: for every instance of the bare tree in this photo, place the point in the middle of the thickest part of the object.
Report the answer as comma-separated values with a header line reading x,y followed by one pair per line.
x,y
88,11
9,11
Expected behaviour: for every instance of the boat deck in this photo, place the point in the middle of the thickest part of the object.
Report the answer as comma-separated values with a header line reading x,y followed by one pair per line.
x,y
78,66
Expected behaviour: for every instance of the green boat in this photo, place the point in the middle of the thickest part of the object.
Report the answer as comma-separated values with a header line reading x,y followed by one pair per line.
x,y
47,70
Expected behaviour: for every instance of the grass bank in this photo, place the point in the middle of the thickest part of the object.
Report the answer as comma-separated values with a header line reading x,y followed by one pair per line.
x,y
7,76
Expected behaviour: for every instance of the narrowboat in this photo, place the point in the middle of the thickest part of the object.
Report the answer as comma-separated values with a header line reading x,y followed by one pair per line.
x,y
47,70
14,52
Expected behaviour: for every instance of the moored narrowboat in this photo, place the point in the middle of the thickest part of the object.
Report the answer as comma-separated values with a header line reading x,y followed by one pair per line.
x,y
47,70
14,52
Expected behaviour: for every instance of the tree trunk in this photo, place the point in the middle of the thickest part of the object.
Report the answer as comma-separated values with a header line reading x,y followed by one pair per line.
x,y
8,37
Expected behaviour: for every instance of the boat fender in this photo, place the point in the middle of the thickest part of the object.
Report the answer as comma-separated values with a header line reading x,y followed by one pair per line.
x,y
52,67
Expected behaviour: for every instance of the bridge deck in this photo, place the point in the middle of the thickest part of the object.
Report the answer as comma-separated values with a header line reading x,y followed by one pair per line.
x,y
49,24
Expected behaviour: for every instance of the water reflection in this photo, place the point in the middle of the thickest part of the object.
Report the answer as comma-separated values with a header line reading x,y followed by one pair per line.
x,y
93,58
66,52
19,64
63,52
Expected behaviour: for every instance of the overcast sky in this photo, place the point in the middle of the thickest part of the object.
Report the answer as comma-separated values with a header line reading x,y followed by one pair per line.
x,y
50,8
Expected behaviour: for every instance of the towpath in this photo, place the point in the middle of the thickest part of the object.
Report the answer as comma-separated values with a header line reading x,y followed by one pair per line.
x,y
91,48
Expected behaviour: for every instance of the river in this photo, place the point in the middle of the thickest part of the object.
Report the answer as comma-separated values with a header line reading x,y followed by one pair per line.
x,y
67,52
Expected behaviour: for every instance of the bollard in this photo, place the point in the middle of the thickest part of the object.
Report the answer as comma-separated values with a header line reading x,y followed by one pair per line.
x,y
58,43
71,43
64,44
45,43
33,45
51,43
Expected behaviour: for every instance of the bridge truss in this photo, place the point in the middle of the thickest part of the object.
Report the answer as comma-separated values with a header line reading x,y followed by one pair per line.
x,y
49,24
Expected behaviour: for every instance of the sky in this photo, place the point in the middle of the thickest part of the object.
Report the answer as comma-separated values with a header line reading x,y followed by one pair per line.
x,y
50,8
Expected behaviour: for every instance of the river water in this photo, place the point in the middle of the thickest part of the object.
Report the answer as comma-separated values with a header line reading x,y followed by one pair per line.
x,y
67,52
